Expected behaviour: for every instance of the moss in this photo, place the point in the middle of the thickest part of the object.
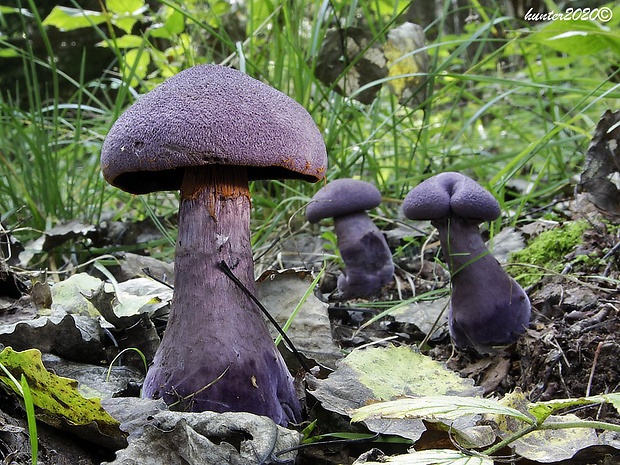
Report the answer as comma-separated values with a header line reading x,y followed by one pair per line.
x,y
547,251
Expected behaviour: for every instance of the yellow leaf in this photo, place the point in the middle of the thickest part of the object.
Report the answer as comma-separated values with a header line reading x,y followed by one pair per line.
x,y
56,398
405,54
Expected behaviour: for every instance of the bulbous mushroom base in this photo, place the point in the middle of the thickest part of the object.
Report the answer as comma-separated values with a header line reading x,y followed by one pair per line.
x,y
216,353
489,315
365,253
488,308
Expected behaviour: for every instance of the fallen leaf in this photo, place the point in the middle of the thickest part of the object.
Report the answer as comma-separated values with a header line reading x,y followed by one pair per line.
x,y
544,445
429,316
310,330
75,337
375,374
602,166
93,380
58,400
555,445
68,296
55,237
434,457
232,438
124,304
131,265
433,408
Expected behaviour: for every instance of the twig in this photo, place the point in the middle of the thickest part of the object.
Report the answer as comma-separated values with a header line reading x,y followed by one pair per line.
x,y
147,272
594,362
325,443
612,251
228,272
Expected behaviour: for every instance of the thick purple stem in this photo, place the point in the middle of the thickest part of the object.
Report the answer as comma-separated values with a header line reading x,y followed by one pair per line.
x,y
488,307
216,353
365,252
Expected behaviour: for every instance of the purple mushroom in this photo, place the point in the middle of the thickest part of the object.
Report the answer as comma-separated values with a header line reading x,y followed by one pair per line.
x,y
208,131
363,248
488,308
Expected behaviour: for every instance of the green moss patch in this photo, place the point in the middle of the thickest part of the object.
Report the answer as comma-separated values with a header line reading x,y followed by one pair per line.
x,y
547,252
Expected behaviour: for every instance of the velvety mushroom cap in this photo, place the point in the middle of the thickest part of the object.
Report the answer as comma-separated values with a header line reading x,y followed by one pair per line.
x,y
450,194
341,197
205,115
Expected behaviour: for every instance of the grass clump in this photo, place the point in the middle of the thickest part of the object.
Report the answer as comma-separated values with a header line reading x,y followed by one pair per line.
x,y
546,253
499,99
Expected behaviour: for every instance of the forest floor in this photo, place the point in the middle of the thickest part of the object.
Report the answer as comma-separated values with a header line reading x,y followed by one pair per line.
x,y
569,350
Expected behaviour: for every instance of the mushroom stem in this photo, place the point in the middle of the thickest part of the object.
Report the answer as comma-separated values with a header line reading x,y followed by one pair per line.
x,y
365,253
461,243
487,305
216,353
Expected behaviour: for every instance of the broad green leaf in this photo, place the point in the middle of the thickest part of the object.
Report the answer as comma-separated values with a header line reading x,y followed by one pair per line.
x,y
136,64
126,13
386,7
175,22
159,31
437,457
126,41
125,23
121,7
68,19
173,25
436,408
57,398
577,37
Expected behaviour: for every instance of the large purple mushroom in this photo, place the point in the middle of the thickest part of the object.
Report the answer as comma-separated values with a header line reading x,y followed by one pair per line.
x,y
206,132
488,308
364,250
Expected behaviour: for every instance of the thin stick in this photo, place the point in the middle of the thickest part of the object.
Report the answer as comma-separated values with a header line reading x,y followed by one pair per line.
x,y
147,272
226,269
594,362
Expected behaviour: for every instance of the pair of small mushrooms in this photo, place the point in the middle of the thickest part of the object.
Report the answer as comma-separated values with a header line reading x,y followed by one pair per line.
x,y
207,132
488,308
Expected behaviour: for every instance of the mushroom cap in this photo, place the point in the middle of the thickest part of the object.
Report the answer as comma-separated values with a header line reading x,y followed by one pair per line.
x,y
450,194
342,197
211,114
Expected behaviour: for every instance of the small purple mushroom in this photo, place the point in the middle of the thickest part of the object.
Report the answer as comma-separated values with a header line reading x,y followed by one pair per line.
x,y
363,248
207,131
488,308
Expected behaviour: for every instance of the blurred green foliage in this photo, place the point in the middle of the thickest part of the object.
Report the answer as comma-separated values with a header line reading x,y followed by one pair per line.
x,y
505,101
